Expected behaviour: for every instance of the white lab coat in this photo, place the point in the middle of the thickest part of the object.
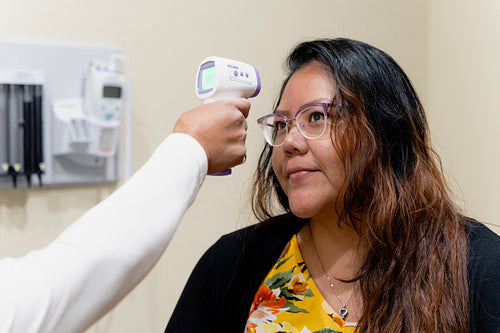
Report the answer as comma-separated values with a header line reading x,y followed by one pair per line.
x,y
68,285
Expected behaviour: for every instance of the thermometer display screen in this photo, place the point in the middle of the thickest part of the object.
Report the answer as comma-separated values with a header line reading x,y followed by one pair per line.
x,y
111,92
207,78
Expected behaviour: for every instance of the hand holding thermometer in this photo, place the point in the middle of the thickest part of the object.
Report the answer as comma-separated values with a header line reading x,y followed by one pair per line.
x,y
221,78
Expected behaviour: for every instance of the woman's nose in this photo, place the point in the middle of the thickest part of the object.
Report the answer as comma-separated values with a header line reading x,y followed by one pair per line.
x,y
294,141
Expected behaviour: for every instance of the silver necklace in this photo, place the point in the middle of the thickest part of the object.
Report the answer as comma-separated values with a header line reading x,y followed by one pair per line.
x,y
343,310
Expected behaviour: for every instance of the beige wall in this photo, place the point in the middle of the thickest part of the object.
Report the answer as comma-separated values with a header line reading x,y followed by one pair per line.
x,y
450,50
463,100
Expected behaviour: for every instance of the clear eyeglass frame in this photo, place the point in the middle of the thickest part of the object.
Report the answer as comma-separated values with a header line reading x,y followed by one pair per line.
x,y
268,123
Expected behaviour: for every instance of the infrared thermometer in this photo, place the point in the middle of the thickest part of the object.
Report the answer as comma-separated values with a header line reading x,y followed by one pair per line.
x,y
220,78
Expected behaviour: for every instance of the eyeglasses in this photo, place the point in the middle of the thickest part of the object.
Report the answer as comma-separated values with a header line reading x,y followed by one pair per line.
x,y
311,121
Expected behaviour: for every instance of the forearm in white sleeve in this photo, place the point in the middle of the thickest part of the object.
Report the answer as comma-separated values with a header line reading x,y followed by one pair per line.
x,y
94,263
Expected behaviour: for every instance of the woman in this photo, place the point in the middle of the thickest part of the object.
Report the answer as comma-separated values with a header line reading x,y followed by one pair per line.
x,y
370,240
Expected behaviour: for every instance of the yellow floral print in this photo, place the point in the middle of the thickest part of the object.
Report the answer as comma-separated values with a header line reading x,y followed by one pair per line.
x,y
289,301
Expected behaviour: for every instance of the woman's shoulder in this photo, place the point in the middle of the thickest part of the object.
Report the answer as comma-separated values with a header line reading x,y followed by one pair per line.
x,y
483,277
483,242
483,252
249,250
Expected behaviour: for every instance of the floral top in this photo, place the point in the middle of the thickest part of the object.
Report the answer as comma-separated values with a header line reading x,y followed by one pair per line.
x,y
289,301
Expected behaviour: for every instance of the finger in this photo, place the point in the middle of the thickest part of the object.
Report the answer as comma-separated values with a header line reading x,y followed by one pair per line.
x,y
243,105
241,158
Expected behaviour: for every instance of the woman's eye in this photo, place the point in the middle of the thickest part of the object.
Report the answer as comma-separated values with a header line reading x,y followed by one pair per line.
x,y
279,125
316,116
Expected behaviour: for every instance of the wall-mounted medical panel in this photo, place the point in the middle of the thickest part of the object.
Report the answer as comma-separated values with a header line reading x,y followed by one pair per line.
x,y
61,111
21,138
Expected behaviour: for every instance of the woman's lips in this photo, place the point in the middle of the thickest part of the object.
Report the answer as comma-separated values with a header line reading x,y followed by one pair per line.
x,y
298,174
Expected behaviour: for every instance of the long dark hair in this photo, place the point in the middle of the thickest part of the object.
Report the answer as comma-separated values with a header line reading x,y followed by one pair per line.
x,y
414,278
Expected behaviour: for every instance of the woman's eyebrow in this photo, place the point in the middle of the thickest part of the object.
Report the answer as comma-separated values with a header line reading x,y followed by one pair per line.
x,y
316,101
282,112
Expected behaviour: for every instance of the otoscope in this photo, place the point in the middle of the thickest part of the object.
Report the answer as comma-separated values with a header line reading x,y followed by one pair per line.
x,y
220,78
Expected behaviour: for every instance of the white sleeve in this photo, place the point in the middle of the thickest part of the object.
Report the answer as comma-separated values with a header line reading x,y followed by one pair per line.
x,y
95,262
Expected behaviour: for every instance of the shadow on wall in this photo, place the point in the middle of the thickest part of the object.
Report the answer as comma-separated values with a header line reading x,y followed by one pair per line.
x,y
13,206
63,204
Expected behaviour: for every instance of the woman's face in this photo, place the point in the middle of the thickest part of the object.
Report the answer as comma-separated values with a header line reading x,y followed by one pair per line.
x,y
308,170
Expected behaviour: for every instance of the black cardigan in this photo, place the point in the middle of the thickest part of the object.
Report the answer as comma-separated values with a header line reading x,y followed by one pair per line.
x,y
221,288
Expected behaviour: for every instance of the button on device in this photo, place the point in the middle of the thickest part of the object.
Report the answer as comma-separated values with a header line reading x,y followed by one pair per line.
x,y
235,73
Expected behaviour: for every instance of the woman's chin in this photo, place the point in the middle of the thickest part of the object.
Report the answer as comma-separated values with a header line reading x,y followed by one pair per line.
x,y
310,209
302,211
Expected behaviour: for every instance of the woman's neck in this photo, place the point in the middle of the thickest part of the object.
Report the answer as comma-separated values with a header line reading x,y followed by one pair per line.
x,y
333,254
337,244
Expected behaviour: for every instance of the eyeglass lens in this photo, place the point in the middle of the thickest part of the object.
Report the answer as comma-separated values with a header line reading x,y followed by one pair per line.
x,y
310,121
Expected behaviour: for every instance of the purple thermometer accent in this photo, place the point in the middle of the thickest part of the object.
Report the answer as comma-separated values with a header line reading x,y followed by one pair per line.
x,y
222,173
259,85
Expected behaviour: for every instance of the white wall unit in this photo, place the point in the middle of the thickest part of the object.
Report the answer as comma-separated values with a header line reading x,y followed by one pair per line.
x,y
59,72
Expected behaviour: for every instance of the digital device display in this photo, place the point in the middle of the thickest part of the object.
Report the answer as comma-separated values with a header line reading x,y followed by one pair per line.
x,y
207,78
111,92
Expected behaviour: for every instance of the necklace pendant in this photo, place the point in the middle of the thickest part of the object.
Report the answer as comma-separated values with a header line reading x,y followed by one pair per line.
x,y
343,312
